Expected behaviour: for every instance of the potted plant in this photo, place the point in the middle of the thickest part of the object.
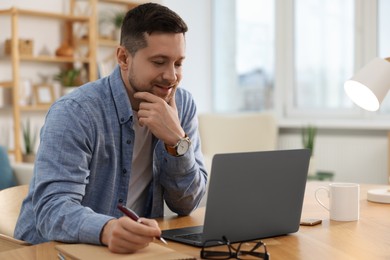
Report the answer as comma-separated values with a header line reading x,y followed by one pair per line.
x,y
117,20
308,139
29,138
69,79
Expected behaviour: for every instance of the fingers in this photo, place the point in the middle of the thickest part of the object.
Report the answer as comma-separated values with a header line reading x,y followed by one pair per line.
x,y
172,100
143,227
151,223
160,117
127,236
151,98
148,97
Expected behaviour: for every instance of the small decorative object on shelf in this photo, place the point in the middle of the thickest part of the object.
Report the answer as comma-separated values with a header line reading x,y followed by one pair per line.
x,y
43,94
25,46
308,139
25,92
69,79
5,97
110,24
117,20
29,138
65,50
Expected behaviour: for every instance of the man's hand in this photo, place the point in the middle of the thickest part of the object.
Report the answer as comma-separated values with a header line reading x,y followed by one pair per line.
x,y
160,117
125,235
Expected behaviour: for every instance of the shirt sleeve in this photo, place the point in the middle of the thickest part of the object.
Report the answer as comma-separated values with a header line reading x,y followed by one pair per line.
x,y
184,178
61,176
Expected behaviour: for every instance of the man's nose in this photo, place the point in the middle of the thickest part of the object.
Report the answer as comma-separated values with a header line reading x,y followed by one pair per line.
x,y
170,74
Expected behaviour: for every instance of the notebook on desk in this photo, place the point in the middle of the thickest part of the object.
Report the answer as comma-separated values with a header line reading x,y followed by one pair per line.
x,y
251,196
86,252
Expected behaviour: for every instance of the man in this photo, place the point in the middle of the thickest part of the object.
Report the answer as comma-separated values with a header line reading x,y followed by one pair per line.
x,y
130,138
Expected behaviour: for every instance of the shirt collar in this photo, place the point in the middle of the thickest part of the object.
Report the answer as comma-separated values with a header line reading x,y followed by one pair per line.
x,y
119,94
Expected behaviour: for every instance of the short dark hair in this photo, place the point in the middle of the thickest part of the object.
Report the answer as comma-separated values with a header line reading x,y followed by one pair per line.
x,y
148,18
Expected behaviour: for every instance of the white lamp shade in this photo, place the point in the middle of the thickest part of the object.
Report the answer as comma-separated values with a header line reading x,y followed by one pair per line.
x,y
369,86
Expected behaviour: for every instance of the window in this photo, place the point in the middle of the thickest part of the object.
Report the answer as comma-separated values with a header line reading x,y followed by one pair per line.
x,y
324,51
244,43
294,57
383,25
384,42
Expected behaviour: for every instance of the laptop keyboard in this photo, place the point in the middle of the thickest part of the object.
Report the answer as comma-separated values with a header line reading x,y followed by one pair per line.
x,y
191,237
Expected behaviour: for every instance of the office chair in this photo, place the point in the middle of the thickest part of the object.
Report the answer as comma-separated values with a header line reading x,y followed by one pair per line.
x,y
10,203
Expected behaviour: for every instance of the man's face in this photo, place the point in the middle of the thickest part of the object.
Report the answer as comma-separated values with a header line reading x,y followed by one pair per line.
x,y
156,69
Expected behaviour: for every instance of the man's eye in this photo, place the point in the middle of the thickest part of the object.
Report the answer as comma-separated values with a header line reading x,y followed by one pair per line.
x,y
158,62
178,65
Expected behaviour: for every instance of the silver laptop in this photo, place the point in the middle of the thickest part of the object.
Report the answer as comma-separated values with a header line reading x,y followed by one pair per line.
x,y
251,195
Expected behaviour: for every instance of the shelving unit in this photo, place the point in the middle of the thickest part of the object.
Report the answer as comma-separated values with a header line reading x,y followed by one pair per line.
x,y
107,46
91,41
17,58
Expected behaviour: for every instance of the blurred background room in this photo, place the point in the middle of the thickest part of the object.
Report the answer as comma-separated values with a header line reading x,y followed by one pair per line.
x,y
287,59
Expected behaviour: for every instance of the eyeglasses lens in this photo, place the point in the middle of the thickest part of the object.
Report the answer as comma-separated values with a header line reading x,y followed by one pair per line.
x,y
252,250
215,252
245,250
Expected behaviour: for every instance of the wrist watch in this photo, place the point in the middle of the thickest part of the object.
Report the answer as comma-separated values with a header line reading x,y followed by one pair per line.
x,y
180,148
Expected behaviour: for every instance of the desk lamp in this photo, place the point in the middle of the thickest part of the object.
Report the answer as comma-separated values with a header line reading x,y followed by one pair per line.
x,y
367,89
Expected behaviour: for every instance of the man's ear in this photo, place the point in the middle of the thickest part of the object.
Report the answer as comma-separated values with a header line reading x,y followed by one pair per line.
x,y
121,56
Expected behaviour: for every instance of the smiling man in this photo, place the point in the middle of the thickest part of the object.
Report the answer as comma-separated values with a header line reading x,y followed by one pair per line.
x,y
130,139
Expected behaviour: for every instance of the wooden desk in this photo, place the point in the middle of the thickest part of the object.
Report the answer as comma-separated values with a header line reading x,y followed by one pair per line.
x,y
368,238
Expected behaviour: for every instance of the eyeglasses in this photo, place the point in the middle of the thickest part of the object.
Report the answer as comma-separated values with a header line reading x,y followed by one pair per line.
x,y
225,250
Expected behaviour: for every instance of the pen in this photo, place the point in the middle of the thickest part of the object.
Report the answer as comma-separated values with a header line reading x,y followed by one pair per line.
x,y
131,214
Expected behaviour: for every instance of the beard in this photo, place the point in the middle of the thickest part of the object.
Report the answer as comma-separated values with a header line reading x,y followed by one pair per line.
x,y
136,86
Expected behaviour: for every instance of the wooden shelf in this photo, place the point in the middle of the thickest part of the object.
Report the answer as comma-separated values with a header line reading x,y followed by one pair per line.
x,y
6,84
52,59
123,2
33,108
101,42
28,108
16,57
108,42
91,42
73,18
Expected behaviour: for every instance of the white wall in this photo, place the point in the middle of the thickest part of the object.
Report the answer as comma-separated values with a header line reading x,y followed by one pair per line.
x,y
197,66
353,155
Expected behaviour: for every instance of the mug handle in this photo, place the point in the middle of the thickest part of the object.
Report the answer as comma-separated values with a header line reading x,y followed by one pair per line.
x,y
318,200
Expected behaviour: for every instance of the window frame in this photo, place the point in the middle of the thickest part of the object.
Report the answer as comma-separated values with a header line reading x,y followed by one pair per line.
x,y
366,48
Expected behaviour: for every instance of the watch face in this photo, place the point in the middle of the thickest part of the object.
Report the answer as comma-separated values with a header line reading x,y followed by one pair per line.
x,y
183,146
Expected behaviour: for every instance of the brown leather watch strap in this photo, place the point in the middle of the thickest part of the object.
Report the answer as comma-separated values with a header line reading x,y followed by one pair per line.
x,y
172,150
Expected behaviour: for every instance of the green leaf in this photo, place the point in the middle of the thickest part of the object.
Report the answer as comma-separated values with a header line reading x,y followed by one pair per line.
x,y
29,137
308,137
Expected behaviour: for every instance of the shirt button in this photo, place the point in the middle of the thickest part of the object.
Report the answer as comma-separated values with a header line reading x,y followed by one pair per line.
x,y
120,200
128,141
122,119
124,171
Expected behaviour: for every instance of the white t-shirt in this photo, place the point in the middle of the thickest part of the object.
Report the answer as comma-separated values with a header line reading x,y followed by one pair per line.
x,y
142,167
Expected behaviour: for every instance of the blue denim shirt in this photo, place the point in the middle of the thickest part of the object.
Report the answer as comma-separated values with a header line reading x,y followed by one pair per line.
x,y
83,166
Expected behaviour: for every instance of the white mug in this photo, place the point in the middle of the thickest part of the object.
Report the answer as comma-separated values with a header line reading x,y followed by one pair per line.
x,y
343,201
